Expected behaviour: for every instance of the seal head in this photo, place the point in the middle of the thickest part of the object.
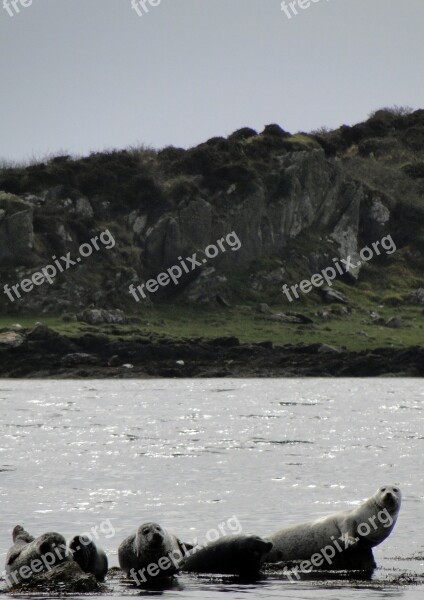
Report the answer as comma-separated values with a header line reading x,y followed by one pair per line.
x,y
148,546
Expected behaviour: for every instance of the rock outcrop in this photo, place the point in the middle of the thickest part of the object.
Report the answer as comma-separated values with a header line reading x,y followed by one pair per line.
x,y
295,202
16,230
67,578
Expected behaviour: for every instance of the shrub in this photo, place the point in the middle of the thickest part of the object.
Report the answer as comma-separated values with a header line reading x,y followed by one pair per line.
x,y
377,146
260,148
389,111
244,177
275,130
201,160
11,181
321,131
218,143
414,170
392,299
182,187
329,143
243,134
413,138
61,159
170,153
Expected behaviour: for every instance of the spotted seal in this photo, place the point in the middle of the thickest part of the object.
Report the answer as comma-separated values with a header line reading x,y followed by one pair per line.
x,y
343,540
29,556
151,552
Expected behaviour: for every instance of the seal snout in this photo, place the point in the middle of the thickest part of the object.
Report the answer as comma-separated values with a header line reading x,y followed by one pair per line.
x,y
390,495
389,498
156,538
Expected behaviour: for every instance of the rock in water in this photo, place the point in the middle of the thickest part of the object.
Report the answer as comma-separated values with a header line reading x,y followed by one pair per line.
x,y
66,578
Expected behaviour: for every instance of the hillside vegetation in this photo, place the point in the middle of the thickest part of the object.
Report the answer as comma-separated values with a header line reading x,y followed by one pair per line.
x,y
295,201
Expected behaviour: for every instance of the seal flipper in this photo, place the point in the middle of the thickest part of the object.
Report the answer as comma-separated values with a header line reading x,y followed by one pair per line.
x,y
360,558
102,565
355,558
13,555
348,535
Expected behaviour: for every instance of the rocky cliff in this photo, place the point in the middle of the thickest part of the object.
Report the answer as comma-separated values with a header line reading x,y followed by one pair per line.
x,y
295,202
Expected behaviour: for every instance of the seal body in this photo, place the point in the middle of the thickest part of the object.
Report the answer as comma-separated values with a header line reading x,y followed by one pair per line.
x,y
344,540
231,555
28,556
152,552
90,558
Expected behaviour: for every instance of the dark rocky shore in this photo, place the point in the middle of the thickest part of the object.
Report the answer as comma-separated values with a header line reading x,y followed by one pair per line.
x,y
41,352
65,579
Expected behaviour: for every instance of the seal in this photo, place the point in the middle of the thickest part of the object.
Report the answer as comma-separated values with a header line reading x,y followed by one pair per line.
x,y
343,540
151,552
90,558
241,555
29,556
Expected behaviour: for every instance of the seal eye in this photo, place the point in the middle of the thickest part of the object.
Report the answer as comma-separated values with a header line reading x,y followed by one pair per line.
x,y
383,489
396,490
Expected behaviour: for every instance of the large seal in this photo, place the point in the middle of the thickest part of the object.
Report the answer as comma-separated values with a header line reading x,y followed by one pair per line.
x,y
230,555
90,558
151,552
342,540
28,556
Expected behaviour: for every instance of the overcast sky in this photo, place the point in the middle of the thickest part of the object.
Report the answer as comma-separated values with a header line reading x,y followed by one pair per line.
x,y
84,75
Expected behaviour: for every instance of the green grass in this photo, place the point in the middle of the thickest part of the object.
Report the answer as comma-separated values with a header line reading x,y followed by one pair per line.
x,y
250,326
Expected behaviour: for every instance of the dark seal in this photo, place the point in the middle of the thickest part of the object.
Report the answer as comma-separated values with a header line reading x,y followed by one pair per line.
x,y
231,555
90,558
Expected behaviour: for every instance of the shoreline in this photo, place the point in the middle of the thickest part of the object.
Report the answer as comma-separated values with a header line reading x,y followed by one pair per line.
x,y
44,353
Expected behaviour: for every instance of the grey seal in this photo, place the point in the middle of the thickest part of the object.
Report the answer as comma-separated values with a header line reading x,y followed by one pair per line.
x,y
29,556
151,552
230,555
90,558
343,540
